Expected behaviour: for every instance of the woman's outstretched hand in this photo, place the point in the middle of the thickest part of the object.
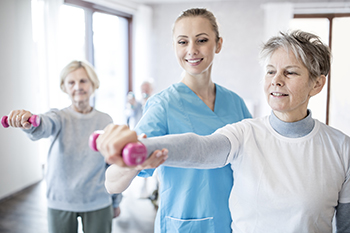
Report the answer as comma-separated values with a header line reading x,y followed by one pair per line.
x,y
19,119
115,138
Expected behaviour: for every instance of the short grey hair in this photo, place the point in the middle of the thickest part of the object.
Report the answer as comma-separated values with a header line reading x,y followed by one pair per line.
x,y
307,47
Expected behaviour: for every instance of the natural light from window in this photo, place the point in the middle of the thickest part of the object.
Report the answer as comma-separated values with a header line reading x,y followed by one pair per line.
x,y
111,53
340,80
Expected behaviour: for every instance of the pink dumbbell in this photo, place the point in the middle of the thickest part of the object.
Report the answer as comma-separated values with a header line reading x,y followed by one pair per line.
x,y
133,153
34,120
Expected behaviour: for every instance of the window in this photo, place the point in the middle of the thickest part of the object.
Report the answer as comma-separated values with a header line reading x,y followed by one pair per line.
x,y
100,36
110,56
81,30
331,106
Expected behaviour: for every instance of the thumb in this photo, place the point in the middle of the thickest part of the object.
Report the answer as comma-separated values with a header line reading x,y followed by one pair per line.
x,y
27,125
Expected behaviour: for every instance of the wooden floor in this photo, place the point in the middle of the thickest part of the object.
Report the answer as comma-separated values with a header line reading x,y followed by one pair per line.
x,y
25,212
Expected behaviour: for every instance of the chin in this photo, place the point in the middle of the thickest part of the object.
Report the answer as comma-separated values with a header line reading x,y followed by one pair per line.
x,y
80,99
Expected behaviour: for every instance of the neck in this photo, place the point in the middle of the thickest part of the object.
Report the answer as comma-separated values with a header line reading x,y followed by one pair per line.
x,y
292,129
81,107
202,85
205,91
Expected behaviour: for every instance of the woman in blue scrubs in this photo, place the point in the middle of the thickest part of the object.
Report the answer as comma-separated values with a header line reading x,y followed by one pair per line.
x,y
191,200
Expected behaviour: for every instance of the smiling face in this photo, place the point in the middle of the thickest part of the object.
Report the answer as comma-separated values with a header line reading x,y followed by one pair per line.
x,y
288,87
195,44
79,88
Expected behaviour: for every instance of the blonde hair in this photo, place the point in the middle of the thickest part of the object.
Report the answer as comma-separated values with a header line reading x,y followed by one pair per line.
x,y
73,66
202,12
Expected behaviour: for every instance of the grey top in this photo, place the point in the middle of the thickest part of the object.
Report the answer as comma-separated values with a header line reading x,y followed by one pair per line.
x,y
75,174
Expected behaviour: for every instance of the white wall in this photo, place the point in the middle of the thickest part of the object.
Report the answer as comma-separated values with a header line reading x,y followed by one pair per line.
x,y
242,26
19,157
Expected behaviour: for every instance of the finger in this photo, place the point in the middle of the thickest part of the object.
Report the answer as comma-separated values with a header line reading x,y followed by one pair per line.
x,y
19,118
143,135
103,143
161,157
12,118
25,115
157,158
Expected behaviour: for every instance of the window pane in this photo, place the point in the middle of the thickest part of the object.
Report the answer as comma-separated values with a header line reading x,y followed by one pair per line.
x,y
71,35
340,80
70,41
320,27
111,62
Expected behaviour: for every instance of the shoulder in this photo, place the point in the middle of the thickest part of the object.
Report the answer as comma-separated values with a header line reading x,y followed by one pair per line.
x,y
167,93
165,97
245,126
233,101
102,114
54,113
228,94
226,91
101,118
332,133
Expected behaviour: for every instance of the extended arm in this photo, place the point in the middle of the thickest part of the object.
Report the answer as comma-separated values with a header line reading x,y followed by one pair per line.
x,y
191,150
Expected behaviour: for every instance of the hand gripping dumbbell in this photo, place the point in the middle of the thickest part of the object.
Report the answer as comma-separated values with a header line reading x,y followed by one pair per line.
x,y
34,120
133,153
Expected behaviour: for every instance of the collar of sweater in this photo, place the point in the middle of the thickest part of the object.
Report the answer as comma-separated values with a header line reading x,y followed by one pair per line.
x,y
293,129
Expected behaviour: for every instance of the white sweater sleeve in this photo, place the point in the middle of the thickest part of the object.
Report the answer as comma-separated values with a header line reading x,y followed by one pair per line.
x,y
192,151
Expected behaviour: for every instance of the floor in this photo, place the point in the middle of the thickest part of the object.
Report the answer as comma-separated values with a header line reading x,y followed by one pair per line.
x,y
25,212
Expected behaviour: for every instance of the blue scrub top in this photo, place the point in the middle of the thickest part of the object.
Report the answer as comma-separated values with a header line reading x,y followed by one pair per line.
x,y
191,200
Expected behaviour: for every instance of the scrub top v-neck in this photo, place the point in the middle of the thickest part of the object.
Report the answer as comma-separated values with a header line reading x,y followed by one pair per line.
x,y
191,198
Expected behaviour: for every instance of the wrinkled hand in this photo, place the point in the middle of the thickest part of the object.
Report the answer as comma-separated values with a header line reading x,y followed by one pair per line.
x,y
19,119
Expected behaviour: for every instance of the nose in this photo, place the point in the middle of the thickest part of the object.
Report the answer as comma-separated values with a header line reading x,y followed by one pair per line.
x,y
278,80
192,49
77,86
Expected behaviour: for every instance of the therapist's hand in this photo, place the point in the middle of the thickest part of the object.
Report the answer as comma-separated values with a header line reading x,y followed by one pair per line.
x,y
157,158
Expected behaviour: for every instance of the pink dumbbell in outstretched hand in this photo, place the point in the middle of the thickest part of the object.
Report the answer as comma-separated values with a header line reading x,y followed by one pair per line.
x,y
133,153
34,120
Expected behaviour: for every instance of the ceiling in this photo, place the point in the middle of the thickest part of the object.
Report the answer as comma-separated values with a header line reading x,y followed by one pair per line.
x,y
177,1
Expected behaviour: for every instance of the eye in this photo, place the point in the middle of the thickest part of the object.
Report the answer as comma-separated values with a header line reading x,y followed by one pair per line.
x,y
290,73
181,42
270,72
201,41
71,82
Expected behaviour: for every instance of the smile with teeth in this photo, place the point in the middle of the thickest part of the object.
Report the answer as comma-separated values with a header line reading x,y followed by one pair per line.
x,y
278,94
194,60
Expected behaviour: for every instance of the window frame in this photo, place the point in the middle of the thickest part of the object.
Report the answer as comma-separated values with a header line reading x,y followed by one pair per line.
x,y
91,8
330,17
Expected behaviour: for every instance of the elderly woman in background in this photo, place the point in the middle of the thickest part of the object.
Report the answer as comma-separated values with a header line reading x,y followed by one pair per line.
x,y
74,174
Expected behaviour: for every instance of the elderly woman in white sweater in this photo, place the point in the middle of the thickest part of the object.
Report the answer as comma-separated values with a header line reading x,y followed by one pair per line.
x,y
292,172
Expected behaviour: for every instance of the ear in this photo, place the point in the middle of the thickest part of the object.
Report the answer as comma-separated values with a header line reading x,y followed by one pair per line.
x,y
318,85
219,45
63,88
